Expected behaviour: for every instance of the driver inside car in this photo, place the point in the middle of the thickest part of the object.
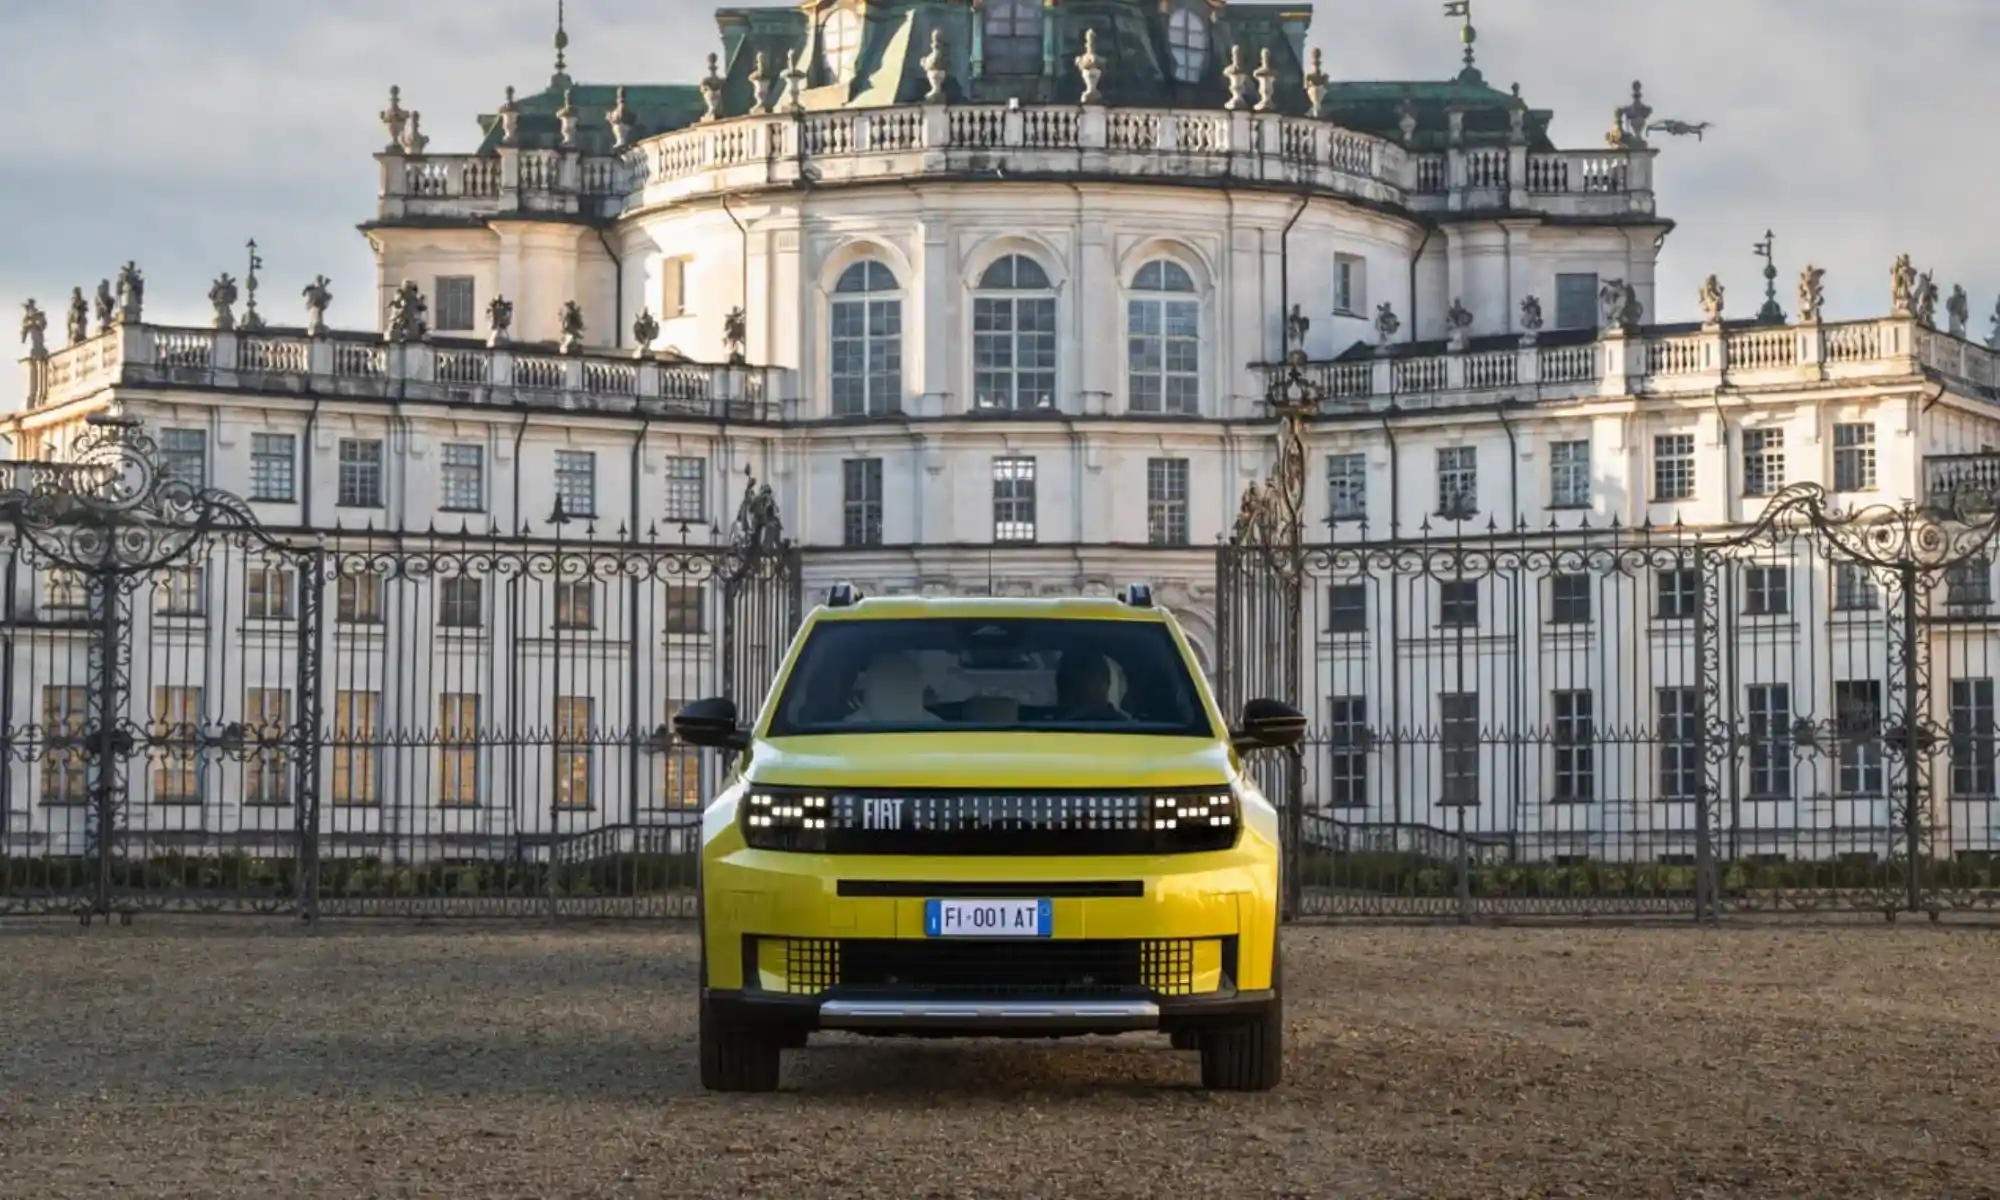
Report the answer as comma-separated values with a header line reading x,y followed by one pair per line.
x,y
1083,688
892,693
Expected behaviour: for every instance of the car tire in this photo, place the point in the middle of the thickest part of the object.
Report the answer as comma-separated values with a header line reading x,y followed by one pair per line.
x,y
1249,1057
736,1057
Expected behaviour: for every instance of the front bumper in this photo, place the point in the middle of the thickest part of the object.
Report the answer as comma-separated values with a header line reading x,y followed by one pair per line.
x,y
1025,1016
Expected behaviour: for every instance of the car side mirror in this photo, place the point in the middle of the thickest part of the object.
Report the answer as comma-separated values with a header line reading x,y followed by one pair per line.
x,y
711,722
1268,725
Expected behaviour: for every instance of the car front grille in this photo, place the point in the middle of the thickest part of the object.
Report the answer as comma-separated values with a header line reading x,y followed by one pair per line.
x,y
1041,966
975,824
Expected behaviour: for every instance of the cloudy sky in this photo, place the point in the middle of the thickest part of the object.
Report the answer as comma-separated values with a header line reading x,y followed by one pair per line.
x,y
172,131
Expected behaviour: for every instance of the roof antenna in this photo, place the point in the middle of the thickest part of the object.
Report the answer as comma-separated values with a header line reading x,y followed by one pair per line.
x,y
562,43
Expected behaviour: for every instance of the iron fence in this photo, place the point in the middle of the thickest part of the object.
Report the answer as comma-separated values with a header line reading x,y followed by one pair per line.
x,y
201,713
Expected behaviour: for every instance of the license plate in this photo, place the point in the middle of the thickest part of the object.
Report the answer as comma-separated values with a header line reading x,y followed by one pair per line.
x,y
989,918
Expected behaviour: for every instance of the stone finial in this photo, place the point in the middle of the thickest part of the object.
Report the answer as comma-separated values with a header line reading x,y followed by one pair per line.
x,y
318,296
499,321
937,68
1531,315
793,100
395,120
1091,68
1902,286
1406,122
1454,125
1237,78
1317,82
1459,319
1957,311
568,120
1711,301
1387,323
1923,300
1517,124
1632,120
1622,310
1993,339
735,334
622,126
79,317
104,307
34,330
645,331
711,90
222,294
572,327
407,312
414,142
762,82
510,120
1267,82
1297,326
1812,294
131,294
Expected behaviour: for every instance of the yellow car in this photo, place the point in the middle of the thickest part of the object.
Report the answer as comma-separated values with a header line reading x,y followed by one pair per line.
x,y
989,817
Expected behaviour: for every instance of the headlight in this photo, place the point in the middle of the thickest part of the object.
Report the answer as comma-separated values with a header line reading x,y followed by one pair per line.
x,y
1193,820
785,821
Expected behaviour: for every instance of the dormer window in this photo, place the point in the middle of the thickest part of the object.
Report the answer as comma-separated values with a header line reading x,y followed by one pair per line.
x,y
1013,37
1187,38
840,42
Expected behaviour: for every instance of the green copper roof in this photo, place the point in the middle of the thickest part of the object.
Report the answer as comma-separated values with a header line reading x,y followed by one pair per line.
x,y
655,109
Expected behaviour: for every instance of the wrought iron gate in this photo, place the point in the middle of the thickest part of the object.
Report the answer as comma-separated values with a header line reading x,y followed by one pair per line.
x,y
202,713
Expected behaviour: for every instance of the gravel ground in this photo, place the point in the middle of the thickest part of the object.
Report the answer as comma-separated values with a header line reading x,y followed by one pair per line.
x,y
253,1059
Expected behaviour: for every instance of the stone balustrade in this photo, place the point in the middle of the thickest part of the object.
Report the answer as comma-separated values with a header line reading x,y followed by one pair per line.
x,y
912,141
1659,361
443,370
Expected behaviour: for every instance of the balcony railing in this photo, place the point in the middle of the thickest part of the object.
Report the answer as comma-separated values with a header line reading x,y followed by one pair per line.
x,y
827,148
443,370
1960,481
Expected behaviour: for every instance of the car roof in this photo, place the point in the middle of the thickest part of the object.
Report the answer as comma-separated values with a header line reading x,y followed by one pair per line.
x,y
1065,608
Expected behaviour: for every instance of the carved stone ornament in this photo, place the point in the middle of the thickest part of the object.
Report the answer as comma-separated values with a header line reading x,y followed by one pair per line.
x,y
499,321
711,90
1237,78
622,127
1387,323
795,84
1923,300
735,334
79,317
1622,309
645,330
510,121
572,327
222,294
34,330
407,312
1957,311
1711,301
1531,315
395,119
415,142
1517,125
1459,319
1812,294
1993,339
937,69
1297,326
1317,82
106,309
1091,68
131,294
1406,122
762,82
568,120
1634,117
319,297
1902,286
1267,82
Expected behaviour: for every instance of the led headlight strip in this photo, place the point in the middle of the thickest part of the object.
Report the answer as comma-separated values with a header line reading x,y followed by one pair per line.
x,y
784,821
1193,811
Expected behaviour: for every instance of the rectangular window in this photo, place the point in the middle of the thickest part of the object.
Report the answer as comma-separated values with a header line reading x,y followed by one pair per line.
x,y
1857,707
1576,301
454,303
1972,758
1676,593
1569,474
1458,603
576,482
176,748
1969,584
1458,748
680,785
1569,599
274,461
180,592
674,287
1163,355
268,593
576,605
267,774
460,603
686,608
360,473
573,751
861,502
458,750
1763,461
1350,285
1458,482
1347,487
1769,710
1673,466
184,456
462,486
357,600
65,769
1767,591
1575,747
355,775
1854,590
1854,458
687,489
1013,499
1680,751
1347,608
1167,501
1347,751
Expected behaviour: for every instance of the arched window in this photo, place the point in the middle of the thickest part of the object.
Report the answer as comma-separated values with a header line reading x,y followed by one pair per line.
x,y
1187,38
840,42
1163,340
1014,336
1013,41
867,350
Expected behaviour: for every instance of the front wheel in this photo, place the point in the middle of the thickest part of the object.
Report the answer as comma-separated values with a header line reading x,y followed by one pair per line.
x,y
1249,1057
736,1057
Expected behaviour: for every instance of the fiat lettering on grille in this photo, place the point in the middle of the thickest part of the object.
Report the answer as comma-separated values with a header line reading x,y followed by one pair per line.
x,y
882,812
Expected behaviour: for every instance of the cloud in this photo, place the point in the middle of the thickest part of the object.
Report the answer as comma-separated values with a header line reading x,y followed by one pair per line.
x,y
172,131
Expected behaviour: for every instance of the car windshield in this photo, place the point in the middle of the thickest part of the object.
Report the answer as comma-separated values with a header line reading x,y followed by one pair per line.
x,y
998,673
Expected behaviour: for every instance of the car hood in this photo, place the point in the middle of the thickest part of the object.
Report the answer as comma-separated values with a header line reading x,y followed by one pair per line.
x,y
990,760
